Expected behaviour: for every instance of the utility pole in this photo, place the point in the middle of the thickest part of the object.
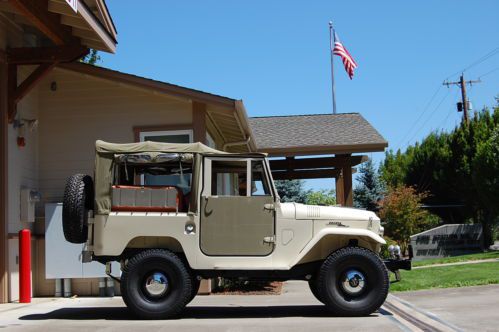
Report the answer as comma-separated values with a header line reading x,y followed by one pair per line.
x,y
464,105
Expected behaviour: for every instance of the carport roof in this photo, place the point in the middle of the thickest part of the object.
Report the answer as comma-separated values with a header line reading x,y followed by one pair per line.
x,y
316,134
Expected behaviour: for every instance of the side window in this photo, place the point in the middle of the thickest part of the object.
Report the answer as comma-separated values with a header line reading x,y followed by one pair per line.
x,y
259,182
229,178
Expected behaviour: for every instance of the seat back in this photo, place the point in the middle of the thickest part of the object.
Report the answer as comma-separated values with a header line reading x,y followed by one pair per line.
x,y
147,199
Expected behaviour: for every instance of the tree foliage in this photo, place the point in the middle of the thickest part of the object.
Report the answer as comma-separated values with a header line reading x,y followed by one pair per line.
x,y
291,191
370,189
458,169
402,214
321,197
92,57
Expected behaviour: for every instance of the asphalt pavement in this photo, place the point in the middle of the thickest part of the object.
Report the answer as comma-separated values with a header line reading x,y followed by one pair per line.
x,y
294,310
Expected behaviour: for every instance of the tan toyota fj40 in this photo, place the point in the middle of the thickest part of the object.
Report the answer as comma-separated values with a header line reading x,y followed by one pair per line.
x,y
173,214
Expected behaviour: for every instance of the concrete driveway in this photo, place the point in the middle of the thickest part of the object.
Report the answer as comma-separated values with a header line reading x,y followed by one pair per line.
x,y
295,310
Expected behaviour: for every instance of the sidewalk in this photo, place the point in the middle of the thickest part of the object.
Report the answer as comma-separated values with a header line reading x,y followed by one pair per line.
x,y
489,260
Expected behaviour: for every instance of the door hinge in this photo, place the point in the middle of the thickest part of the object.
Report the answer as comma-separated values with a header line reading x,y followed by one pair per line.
x,y
269,239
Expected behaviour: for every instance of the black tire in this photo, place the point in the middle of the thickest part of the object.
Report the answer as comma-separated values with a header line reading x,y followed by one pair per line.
x,y
140,268
78,200
195,283
313,288
354,297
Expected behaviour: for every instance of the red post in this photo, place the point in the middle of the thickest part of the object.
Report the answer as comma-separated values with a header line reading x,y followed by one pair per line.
x,y
25,266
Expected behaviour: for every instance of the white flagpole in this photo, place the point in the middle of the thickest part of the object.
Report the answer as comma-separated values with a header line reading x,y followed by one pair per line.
x,y
331,46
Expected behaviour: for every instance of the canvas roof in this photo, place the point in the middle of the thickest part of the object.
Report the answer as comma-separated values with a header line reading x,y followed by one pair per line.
x,y
148,146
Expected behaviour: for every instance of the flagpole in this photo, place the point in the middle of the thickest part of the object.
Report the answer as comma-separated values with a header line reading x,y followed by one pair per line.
x,y
331,47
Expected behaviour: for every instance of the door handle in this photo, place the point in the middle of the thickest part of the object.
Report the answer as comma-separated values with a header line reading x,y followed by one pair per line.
x,y
269,207
269,239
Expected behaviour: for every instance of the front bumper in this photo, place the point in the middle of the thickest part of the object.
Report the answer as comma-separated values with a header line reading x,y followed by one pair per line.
x,y
398,264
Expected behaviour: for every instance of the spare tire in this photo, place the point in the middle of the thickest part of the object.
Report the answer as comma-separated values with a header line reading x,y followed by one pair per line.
x,y
78,200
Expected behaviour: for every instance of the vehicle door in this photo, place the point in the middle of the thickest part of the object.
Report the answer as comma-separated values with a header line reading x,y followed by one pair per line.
x,y
237,208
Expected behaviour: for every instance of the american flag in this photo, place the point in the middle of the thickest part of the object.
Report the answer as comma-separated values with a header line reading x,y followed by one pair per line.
x,y
347,59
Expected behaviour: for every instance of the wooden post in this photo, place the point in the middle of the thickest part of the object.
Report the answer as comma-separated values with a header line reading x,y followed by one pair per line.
x,y
199,121
340,199
344,192
4,287
347,185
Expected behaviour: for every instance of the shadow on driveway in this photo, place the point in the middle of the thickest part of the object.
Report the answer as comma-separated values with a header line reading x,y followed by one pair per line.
x,y
197,312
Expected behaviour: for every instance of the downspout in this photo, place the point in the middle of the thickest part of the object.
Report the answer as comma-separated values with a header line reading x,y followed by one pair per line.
x,y
245,142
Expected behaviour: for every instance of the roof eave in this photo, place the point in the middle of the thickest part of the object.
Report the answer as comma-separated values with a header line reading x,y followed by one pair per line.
x,y
324,149
244,120
103,34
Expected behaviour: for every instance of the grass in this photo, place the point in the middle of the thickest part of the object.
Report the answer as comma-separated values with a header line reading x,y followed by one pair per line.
x,y
448,276
456,259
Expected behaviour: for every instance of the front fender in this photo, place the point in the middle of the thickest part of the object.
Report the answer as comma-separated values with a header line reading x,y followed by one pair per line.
x,y
363,233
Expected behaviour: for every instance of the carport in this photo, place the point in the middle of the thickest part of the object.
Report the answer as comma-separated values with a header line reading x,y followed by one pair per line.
x,y
317,146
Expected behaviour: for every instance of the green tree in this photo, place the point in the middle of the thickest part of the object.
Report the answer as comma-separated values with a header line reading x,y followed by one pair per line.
x,y
456,169
402,215
393,170
486,177
291,190
92,57
321,197
370,190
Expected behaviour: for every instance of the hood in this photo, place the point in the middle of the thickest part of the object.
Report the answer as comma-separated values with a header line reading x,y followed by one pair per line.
x,y
302,211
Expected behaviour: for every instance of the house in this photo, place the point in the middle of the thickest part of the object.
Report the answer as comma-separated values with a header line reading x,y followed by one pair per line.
x,y
51,120
35,36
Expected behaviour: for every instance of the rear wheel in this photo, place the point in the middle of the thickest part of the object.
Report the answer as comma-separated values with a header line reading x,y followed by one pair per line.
x,y
156,284
78,200
313,288
353,281
195,283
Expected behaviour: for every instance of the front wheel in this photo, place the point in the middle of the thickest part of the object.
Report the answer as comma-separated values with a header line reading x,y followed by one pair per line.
x,y
156,284
353,281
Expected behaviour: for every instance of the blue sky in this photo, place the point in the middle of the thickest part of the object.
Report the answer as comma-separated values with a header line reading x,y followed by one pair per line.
x,y
275,56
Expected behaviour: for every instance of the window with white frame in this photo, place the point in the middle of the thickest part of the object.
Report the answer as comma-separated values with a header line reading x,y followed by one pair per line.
x,y
183,179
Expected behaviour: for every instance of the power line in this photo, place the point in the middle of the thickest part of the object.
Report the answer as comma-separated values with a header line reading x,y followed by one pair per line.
x,y
423,183
489,72
476,62
451,110
401,141
431,115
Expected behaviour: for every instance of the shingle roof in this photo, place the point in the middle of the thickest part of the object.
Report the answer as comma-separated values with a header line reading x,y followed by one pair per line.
x,y
317,130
